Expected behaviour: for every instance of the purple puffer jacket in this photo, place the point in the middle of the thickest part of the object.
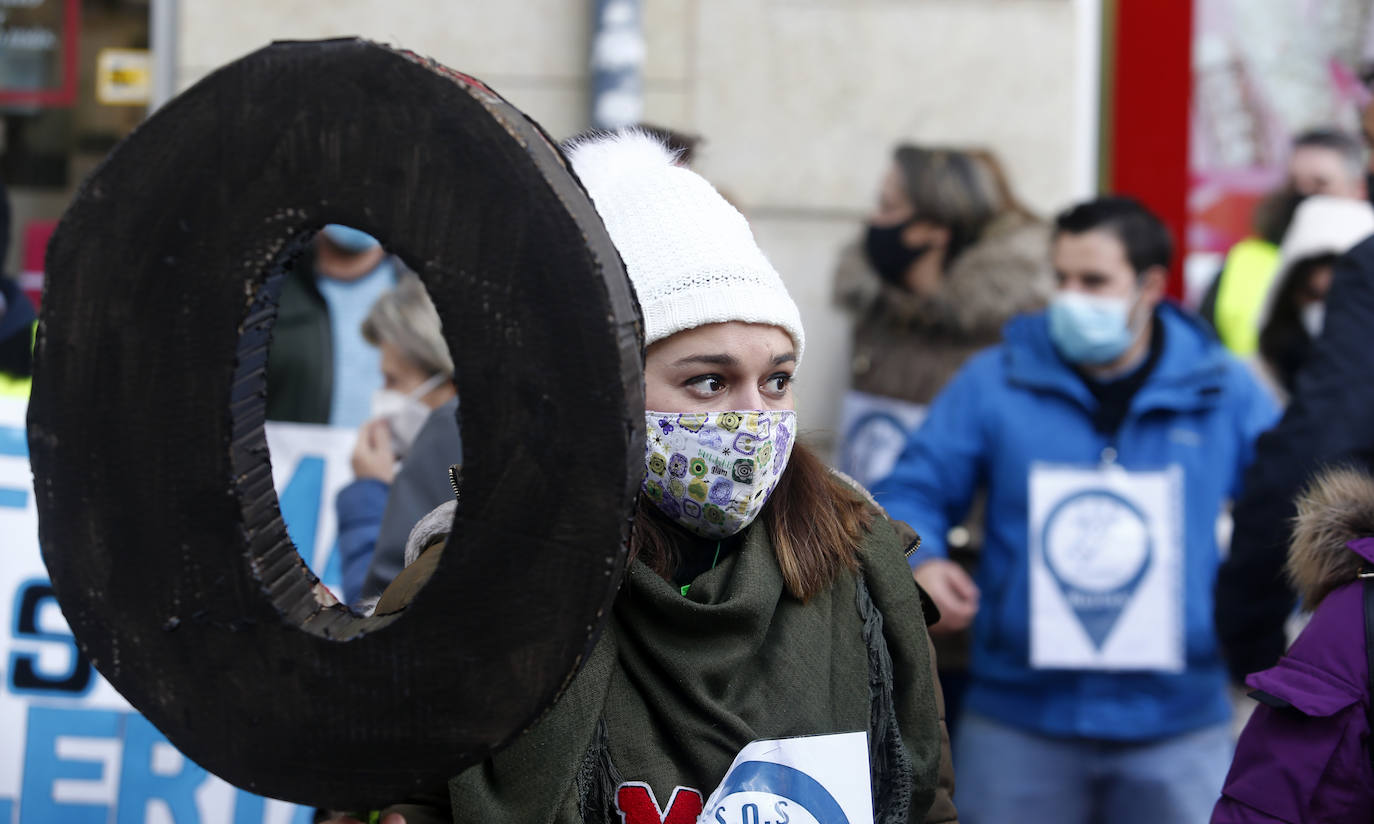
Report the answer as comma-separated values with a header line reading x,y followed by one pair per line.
x,y
1304,755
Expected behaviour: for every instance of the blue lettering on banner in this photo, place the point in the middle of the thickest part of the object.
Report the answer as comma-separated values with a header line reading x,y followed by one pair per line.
x,y
139,785
300,509
300,503
13,444
26,677
247,808
43,767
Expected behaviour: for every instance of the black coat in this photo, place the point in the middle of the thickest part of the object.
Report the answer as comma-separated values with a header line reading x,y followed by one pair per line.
x,y
16,331
1330,421
300,365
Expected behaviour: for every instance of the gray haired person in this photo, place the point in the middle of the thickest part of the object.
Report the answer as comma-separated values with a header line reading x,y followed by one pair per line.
x,y
404,451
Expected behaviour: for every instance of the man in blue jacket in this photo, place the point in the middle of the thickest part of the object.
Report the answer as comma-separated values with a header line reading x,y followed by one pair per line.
x,y
1108,432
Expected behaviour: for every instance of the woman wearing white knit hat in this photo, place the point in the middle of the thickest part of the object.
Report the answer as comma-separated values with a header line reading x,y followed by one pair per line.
x,y
1323,229
766,600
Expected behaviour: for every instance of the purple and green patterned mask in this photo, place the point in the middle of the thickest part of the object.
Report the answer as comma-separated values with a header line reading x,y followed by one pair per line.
x,y
712,472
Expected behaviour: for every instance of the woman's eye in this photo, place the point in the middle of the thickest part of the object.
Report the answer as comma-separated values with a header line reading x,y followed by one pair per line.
x,y
777,384
706,384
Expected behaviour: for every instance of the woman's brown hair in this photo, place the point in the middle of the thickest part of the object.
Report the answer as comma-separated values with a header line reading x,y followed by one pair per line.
x,y
950,188
815,521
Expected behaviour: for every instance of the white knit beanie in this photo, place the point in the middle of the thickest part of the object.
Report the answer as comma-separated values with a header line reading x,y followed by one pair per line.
x,y
1322,225
1325,225
689,253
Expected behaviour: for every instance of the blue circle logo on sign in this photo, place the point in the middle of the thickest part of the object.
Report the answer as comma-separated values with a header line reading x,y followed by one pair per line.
x,y
1097,546
752,782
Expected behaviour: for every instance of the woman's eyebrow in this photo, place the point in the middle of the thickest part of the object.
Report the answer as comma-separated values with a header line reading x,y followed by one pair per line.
x,y
715,360
726,359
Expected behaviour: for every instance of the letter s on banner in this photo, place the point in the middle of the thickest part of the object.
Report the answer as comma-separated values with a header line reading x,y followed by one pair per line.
x,y
26,673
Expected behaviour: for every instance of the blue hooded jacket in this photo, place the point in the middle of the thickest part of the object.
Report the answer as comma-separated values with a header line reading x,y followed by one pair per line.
x,y
1019,403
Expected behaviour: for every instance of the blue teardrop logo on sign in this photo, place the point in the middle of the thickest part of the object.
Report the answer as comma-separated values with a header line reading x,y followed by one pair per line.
x,y
871,447
1097,546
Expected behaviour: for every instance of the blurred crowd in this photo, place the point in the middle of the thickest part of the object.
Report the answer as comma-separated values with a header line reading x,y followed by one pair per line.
x,y
1070,443
1067,440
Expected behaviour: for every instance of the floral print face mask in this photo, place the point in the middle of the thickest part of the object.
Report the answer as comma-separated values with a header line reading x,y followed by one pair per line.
x,y
712,472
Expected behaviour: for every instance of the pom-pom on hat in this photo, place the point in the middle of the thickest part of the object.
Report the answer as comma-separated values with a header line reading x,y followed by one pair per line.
x,y
689,253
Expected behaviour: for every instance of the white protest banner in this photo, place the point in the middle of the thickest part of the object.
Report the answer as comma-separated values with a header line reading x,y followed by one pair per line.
x,y
73,749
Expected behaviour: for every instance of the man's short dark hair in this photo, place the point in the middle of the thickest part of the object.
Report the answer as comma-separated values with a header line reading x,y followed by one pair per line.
x,y
1146,240
1346,145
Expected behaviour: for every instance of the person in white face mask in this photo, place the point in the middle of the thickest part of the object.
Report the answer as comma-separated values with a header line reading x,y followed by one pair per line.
x,y
417,373
417,378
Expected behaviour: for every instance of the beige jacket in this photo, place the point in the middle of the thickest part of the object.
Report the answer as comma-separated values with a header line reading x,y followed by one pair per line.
x,y
908,346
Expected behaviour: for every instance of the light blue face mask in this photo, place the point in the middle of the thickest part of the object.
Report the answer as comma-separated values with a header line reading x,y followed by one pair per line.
x,y
350,240
1088,329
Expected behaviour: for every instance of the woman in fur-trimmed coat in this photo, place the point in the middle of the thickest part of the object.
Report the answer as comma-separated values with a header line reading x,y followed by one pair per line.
x,y
948,257
1304,756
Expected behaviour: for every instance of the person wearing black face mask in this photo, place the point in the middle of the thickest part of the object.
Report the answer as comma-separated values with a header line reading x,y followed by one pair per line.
x,y
888,253
946,258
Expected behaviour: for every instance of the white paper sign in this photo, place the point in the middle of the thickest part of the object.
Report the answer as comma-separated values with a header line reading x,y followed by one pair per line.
x,y
815,779
1106,568
873,431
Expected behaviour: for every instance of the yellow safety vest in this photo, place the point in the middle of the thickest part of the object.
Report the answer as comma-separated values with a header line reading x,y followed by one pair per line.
x,y
1250,268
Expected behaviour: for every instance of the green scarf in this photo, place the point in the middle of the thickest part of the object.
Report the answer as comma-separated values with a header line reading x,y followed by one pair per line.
x,y
678,685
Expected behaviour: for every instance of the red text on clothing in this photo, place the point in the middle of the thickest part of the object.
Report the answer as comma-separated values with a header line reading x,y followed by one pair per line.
x,y
636,804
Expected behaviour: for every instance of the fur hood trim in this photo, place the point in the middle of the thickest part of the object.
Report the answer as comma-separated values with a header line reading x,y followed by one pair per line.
x,y
1005,273
1337,508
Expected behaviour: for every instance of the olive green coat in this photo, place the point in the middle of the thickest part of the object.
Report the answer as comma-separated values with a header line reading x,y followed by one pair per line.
x,y
677,685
